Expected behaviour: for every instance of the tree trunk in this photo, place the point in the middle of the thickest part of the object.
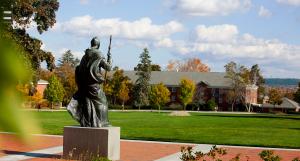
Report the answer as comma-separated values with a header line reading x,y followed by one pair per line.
x,y
248,107
114,100
123,105
158,108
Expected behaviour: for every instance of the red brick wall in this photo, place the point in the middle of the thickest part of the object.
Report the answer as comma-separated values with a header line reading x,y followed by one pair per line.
x,y
251,94
41,88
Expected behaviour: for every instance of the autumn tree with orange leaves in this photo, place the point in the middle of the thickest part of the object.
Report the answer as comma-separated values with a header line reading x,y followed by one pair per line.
x,y
188,65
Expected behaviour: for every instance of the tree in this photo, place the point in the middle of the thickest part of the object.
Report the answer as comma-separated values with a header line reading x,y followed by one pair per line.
x,y
66,74
232,98
42,12
68,58
14,69
154,67
256,78
187,89
297,94
275,97
239,76
211,104
141,87
32,49
54,91
124,92
159,95
188,65
107,88
116,83
44,74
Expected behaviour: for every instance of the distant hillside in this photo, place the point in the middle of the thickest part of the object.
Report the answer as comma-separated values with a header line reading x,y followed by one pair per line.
x,y
282,82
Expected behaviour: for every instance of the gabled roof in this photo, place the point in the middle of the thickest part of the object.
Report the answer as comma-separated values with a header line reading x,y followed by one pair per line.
x,y
286,103
170,78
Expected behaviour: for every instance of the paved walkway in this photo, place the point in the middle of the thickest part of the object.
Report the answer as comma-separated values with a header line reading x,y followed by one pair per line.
x,y
49,147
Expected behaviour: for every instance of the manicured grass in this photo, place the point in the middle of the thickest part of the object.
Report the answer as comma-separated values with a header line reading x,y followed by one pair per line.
x,y
231,129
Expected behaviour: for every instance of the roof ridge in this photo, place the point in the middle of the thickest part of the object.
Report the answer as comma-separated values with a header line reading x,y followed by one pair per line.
x,y
294,103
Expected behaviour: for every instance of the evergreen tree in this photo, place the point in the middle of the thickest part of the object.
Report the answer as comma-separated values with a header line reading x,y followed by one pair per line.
x,y
68,58
142,86
154,67
54,91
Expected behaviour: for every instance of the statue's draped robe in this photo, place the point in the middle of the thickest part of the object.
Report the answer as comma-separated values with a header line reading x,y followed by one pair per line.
x,y
92,108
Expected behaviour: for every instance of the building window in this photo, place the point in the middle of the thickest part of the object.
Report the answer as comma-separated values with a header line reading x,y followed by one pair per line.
x,y
213,92
173,98
174,89
220,99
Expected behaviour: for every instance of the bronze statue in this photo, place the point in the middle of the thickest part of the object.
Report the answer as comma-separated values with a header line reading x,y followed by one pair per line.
x,y
89,105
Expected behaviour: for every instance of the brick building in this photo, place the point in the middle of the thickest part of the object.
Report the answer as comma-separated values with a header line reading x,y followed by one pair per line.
x,y
41,86
208,85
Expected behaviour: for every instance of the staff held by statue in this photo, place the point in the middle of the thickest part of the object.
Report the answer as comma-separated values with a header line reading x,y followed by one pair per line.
x,y
108,58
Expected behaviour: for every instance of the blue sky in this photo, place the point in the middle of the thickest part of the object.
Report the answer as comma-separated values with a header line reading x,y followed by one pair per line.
x,y
264,32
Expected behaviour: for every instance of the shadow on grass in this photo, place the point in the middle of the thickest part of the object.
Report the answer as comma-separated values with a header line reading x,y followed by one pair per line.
x,y
295,128
29,154
282,117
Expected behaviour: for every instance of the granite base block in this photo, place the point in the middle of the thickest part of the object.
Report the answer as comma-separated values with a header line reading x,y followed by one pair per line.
x,y
86,142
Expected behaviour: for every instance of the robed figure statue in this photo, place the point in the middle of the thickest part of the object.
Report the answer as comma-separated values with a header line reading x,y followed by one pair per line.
x,y
89,105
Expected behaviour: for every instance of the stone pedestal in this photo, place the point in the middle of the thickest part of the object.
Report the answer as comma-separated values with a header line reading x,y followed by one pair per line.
x,y
83,143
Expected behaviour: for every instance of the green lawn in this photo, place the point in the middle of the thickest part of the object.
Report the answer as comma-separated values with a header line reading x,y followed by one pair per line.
x,y
230,129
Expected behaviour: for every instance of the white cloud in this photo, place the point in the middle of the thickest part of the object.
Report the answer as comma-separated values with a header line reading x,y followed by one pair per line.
x,y
166,42
224,41
218,33
263,12
290,2
141,29
211,7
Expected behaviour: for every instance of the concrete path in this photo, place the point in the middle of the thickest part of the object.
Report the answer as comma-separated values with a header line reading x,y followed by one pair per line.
x,y
43,153
49,147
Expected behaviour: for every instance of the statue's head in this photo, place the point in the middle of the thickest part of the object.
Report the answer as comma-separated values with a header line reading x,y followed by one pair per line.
x,y
95,42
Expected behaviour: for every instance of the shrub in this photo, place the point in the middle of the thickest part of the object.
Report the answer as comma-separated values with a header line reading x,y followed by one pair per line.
x,y
192,106
174,106
214,154
45,104
211,104
100,159
268,155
